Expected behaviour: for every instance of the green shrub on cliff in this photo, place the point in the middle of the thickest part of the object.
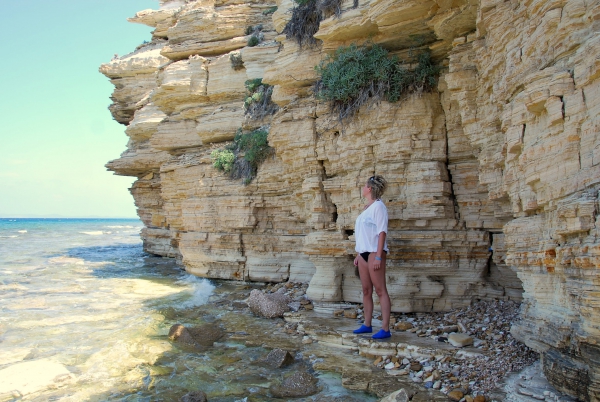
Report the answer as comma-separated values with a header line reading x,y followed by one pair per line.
x,y
244,155
257,103
357,75
223,159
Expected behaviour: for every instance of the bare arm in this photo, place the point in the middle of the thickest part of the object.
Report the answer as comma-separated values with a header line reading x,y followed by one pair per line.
x,y
379,254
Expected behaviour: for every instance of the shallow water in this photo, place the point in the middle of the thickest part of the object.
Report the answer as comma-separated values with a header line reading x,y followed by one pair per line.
x,y
82,298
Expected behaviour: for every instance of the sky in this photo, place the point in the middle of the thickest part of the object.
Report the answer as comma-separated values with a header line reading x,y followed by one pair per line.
x,y
56,133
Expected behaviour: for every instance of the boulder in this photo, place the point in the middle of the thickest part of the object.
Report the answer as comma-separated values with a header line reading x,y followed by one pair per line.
x,y
268,305
180,334
299,384
279,358
204,335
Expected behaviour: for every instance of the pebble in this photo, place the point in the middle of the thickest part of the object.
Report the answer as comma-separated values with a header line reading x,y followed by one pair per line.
x,y
455,395
403,326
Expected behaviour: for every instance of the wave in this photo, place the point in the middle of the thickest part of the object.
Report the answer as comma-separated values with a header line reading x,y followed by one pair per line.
x,y
66,260
22,231
120,227
9,237
94,233
200,289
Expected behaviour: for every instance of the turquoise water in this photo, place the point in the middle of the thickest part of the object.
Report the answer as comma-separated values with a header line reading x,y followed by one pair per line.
x,y
85,313
82,295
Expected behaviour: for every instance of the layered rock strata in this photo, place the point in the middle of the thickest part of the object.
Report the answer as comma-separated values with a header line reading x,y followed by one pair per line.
x,y
494,177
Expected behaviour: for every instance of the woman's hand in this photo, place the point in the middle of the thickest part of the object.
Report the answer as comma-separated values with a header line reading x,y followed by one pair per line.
x,y
376,264
356,261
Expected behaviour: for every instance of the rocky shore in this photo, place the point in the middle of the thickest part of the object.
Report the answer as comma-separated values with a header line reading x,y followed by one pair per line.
x,y
466,354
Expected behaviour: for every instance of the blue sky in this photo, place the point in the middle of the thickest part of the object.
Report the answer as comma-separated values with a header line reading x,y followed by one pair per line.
x,y
56,132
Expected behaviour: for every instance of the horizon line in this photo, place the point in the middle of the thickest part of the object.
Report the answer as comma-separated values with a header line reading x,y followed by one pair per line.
x,y
67,217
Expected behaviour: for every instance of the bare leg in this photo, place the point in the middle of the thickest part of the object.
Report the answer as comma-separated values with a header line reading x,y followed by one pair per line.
x,y
378,281
367,288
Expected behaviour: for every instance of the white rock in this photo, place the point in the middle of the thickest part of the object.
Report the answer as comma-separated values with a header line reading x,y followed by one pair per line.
x,y
460,340
32,376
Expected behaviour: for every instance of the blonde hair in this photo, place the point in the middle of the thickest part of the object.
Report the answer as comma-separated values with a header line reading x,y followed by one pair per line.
x,y
377,184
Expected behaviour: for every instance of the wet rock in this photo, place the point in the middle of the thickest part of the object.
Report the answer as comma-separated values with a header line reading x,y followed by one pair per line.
x,y
268,305
399,396
279,358
195,396
350,314
460,340
204,335
180,334
479,398
299,384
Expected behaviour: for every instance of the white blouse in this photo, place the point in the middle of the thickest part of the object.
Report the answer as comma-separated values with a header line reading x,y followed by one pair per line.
x,y
369,224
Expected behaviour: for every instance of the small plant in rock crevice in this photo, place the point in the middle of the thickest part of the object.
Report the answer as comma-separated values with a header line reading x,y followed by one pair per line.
x,y
257,103
257,35
236,60
357,75
270,10
244,155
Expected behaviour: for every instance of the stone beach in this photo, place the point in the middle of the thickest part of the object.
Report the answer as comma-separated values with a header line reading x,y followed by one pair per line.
x,y
419,351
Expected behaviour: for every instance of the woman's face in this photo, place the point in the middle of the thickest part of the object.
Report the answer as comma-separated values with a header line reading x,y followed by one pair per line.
x,y
366,190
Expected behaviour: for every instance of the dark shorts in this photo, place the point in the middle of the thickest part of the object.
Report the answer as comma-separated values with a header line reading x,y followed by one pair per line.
x,y
365,256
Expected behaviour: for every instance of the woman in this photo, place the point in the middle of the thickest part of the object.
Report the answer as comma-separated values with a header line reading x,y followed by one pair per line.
x,y
370,232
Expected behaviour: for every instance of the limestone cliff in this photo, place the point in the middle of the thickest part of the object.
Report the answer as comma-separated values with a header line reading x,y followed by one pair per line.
x,y
494,177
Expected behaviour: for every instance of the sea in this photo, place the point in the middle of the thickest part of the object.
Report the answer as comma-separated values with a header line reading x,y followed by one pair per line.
x,y
85,314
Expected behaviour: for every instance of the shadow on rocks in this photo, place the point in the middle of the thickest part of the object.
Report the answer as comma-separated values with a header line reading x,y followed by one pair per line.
x,y
200,337
296,385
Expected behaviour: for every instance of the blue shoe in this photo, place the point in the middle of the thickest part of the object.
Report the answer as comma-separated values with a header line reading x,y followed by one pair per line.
x,y
382,334
363,330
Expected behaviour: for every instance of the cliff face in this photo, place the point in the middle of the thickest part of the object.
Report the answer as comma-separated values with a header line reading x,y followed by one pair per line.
x,y
504,155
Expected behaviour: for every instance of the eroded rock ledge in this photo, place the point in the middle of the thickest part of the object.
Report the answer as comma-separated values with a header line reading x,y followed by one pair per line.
x,y
494,178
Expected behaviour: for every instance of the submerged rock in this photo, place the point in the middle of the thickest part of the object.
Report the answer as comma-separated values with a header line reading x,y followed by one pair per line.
x,y
398,396
299,384
268,305
32,376
195,396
